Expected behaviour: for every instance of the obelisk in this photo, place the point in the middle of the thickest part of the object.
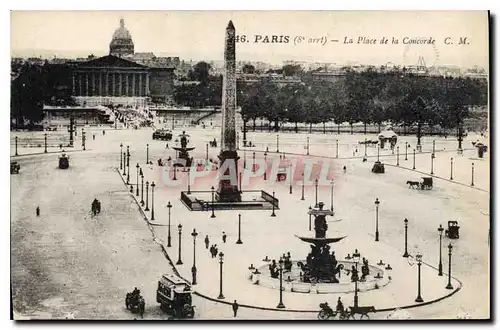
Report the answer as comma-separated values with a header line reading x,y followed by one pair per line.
x,y
228,191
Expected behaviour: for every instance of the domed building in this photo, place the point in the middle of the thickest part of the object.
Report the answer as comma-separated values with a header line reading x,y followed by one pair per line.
x,y
121,43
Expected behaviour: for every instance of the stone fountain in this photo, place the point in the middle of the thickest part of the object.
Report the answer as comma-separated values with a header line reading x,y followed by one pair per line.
x,y
183,158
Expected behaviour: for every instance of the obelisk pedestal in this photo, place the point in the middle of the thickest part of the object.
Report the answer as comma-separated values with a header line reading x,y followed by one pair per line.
x,y
228,191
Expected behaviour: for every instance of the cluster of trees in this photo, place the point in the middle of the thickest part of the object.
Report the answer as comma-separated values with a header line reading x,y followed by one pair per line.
x,y
207,91
35,86
369,97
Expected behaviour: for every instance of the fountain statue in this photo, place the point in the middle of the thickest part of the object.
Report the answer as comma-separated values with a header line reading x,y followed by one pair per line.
x,y
183,158
321,263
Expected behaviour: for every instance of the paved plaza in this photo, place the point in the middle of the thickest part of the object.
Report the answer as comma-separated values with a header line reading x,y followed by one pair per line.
x,y
89,264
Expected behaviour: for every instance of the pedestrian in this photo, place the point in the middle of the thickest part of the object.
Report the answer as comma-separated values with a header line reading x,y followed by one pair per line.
x,y
207,241
212,251
216,250
345,168
93,136
224,237
166,147
38,211
235,308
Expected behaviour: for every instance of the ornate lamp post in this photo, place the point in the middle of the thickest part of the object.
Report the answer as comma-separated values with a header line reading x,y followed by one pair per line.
x,y
449,286
179,260
221,261
142,186
307,146
433,147
213,214
472,182
189,180
432,163
397,156
277,143
365,147
356,256
45,142
253,162
137,190
405,255
302,197
206,155
310,217
169,237
273,214
418,257
406,152
337,152
147,153
413,158
331,196
124,163
147,199
239,230
265,168
451,168
152,200
193,269
280,304
128,165
316,196
440,267
377,202
378,152
121,156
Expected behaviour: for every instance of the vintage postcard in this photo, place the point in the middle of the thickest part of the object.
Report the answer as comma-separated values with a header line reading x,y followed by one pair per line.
x,y
250,165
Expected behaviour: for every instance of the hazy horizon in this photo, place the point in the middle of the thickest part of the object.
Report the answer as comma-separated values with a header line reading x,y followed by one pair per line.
x,y
198,35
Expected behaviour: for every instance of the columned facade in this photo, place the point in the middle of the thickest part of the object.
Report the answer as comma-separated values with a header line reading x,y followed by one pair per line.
x,y
109,82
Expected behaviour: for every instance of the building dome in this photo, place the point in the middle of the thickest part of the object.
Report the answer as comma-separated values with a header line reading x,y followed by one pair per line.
x,y
122,43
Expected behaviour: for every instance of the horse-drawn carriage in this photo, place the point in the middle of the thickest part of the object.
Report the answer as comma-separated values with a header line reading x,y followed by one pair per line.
x,y
135,302
14,167
453,230
174,296
425,184
326,313
63,161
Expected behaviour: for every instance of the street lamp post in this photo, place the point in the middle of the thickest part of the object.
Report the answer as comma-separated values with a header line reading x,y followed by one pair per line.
x,y
253,162
193,269
418,257
15,139
189,180
169,237
137,190
221,261
280,304
273,214
179,260
152,200
472,182
432,163
291,177
406,152
310,217
365,147
378,152
265,166
277,143
316,194
356,256
433,146
142,186
302,197
397,156
124,163
239,230
405,255
84,138
449,286
45,142
377,202
121,156
147,194
413,158
331,196
206,153
147,153
128,165
307,146
451,168
337,152
213,214
440,267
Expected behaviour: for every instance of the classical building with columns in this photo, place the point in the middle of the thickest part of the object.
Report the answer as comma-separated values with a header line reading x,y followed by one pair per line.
x,y
119,80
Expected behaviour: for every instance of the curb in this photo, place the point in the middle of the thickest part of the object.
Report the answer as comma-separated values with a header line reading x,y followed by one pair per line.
x,y
49,152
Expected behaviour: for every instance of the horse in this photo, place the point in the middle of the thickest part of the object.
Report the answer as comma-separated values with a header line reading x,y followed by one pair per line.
x,y
413,184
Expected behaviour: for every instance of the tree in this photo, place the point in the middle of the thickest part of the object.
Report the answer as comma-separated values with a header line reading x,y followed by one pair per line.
x,y
28,95
291,70
200,72
249,69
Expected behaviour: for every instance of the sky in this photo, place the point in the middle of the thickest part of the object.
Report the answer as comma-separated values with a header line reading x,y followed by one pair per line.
x,y
199,35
